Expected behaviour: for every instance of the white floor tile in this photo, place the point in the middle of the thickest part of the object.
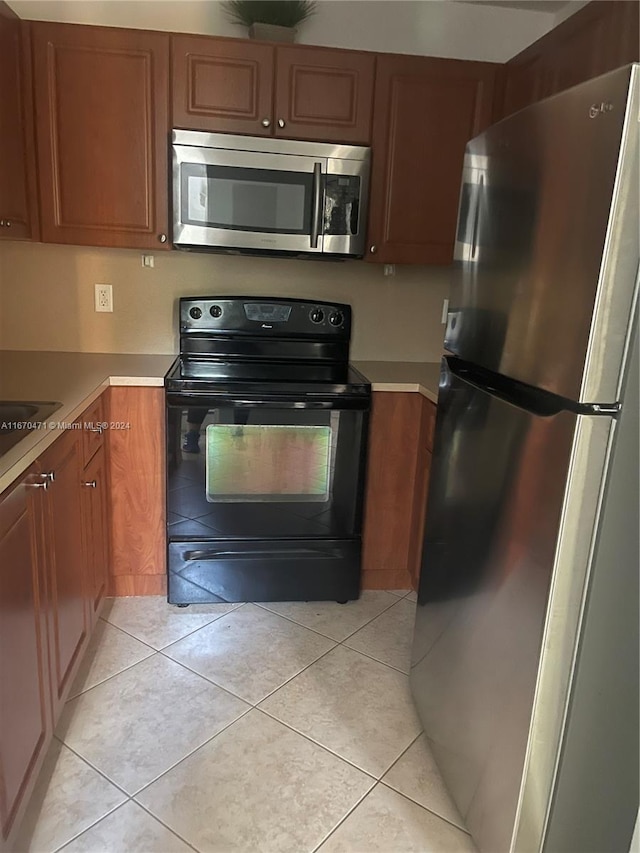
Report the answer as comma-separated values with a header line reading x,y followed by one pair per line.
x,y
69,797
334,620
110,651
151,619
258,786
355,706
387,822
250,652
388,637
129,829
415,774
145,719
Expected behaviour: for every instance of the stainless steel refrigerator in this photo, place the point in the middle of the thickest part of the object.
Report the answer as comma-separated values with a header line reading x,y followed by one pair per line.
x,y
525,656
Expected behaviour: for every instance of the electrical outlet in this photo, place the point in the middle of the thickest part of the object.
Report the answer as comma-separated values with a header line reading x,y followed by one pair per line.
x,y
104,297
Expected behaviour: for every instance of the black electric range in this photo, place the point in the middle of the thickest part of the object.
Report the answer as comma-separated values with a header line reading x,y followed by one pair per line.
x,y
266,448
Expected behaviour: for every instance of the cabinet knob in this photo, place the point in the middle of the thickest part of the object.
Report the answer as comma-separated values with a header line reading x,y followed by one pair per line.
x,y
373,249
1,223
281,122
7,223
266,122
90,484
162,238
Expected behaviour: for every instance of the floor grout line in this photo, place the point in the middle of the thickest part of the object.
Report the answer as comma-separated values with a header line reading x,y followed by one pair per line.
x,y
87,828
374,779
188,755
166,826
426,808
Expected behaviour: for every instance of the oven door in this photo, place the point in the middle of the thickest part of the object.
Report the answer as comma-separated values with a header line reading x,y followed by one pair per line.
x,y
247,200
264,498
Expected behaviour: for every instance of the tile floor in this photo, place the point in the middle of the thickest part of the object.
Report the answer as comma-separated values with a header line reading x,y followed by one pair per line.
x,y
274,728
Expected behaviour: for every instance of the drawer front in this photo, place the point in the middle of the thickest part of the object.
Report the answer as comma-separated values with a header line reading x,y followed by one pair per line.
x,y
93,419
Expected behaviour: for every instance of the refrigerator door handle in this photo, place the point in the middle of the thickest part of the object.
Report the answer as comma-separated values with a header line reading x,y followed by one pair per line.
x,y
476,217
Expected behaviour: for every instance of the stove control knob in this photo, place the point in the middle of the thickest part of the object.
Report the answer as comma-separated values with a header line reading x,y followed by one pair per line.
x,y
215,311
316,315
337,318
195,312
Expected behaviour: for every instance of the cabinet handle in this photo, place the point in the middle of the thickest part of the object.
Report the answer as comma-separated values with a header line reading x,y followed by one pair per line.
x,y
281,122
49,476
162,238
266,122
373,249
91,484
44,486
97,429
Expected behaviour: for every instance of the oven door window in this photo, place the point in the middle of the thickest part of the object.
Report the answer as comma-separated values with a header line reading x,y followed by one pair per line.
x,y
237,198
264,471
268,462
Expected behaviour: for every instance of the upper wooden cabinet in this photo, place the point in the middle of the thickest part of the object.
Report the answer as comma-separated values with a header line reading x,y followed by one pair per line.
x,y
598,38
234,86
102,126
425,111
18,192
324,94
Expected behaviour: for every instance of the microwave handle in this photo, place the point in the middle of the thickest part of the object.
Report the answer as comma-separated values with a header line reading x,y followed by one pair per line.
x,y
316,204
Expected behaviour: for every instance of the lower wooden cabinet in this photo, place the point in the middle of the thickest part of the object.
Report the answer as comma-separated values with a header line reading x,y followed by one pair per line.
x,y
25,709
54,542
399,460
67,586
95,528
137,491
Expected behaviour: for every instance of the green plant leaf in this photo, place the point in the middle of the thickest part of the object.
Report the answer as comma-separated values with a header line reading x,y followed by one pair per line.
x,y
284,13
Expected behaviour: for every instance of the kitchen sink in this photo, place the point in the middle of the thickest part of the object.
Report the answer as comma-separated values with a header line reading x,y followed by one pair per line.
x,y
20,417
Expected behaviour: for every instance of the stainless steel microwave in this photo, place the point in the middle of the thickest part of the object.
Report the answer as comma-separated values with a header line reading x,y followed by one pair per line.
x,y
254,195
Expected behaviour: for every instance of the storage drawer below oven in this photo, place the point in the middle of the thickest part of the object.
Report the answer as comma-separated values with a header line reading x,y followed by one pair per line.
x,y
263,570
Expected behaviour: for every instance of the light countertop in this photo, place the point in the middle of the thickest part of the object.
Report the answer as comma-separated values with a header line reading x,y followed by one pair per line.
x,y
77,379
71,378
402,376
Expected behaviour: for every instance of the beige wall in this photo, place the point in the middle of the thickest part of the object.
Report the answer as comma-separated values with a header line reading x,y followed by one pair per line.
x,y
47,292
492,33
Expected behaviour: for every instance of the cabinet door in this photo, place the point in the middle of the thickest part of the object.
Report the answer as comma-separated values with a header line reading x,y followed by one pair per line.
x,y
67,587
18,198
102,127
598,38
137,483
222,85
25,726
95,529
425,111
397,479
324,94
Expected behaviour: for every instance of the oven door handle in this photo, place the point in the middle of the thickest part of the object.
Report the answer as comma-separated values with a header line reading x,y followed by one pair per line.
x,y
316,205
207,400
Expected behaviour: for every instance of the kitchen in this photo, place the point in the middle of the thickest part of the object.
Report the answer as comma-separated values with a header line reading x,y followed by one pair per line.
x,y
143,321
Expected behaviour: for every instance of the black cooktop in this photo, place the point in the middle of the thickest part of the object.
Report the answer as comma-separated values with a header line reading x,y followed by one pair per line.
x,y
257,345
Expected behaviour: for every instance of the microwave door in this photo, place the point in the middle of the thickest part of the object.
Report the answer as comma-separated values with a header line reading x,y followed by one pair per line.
x,y
247,200
346,200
